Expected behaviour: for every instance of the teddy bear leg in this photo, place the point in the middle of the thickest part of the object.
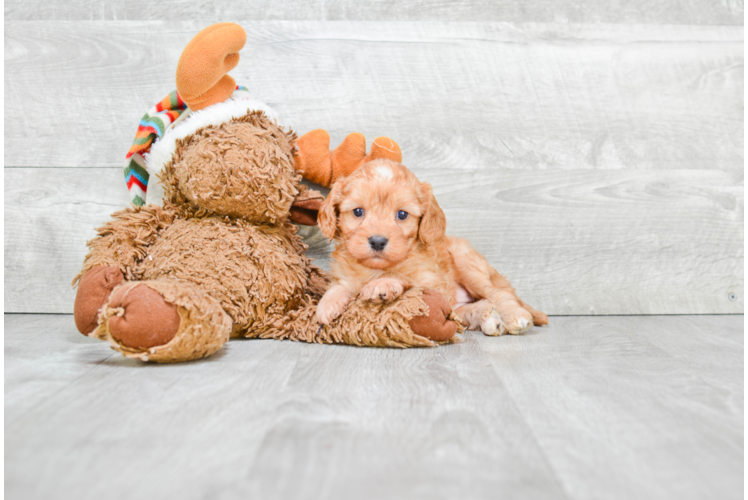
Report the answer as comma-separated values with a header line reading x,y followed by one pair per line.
x,y
163,321
94,289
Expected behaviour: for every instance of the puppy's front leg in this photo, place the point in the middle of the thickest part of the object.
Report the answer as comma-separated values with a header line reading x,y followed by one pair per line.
x,y
383,289
333,304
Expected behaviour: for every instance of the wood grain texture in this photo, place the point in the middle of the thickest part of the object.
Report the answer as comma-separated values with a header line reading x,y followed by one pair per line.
x,y
262,419
599,167
49,215
728,12
571,242
587,408
457,95
609,401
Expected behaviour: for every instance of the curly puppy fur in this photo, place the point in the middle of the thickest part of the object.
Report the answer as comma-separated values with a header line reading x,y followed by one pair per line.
x,y
390,236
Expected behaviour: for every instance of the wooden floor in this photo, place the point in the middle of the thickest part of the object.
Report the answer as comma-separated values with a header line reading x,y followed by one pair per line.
x,y
588,408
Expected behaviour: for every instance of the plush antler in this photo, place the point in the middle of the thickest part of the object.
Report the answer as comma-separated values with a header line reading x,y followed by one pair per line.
x,y
202,81
202,68
318,164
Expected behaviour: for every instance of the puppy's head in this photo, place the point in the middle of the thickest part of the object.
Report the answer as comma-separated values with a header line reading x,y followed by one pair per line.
x,y
381,212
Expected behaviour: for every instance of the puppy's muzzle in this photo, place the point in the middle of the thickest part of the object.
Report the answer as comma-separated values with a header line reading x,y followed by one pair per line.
x,y
377,243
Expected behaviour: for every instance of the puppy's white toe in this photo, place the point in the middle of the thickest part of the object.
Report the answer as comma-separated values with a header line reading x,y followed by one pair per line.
x,y
324,317
518,325
492,324
382,290
330,307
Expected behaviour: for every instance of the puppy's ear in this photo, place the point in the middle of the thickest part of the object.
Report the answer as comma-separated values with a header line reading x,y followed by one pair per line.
x,y
327,219
433,223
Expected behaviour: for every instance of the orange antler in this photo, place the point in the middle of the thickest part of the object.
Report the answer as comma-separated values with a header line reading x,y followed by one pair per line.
x,y
318,164
202,68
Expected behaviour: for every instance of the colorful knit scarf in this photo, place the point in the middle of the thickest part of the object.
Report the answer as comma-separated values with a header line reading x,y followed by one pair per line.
x,y
152,126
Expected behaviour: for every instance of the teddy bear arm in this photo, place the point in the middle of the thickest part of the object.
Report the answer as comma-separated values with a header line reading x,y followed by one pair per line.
x,y
124,241
365,323
113,258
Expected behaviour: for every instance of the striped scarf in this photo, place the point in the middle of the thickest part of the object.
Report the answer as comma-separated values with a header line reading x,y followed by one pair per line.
x,y
152,126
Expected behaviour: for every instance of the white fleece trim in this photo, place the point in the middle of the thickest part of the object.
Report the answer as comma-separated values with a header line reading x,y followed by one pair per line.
x,y
238,105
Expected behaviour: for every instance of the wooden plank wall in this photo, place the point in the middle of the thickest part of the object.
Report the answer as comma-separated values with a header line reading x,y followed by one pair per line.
x,y
593,151
694,12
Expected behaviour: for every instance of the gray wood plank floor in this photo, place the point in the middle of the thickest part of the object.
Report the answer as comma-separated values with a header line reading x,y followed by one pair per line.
x,y
588,408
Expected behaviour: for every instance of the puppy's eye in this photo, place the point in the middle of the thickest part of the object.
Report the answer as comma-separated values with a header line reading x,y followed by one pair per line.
x,y
402,214
358,212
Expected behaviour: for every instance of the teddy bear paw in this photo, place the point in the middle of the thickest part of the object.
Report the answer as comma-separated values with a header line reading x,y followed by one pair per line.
x,y
94,289
144,319
437,324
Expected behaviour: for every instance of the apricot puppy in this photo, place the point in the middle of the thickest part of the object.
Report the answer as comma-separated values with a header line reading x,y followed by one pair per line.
x,y
390,235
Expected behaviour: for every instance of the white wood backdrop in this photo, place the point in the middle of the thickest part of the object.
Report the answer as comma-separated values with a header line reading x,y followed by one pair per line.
x,y
706,12
592,151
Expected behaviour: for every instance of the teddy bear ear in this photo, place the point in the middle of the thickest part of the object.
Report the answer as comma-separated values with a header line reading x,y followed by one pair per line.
x,y
201,71
305,208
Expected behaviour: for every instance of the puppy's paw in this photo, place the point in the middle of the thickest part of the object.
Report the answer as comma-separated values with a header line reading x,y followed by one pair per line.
x,y
492,324
517,320
382,290
330,307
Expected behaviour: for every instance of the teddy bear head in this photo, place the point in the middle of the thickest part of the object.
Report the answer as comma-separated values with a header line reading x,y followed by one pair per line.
x,y
237,166
243,168
225,153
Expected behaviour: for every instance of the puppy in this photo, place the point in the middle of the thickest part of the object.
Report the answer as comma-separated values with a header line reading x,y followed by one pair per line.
x,y
389,233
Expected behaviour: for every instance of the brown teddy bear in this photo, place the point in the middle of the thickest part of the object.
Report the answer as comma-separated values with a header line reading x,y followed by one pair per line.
x,y
214,254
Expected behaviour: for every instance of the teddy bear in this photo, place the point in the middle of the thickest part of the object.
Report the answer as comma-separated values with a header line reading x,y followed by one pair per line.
x,y
210,251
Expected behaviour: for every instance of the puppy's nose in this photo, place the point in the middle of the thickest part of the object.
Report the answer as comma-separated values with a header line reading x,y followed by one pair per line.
x,y
377,242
